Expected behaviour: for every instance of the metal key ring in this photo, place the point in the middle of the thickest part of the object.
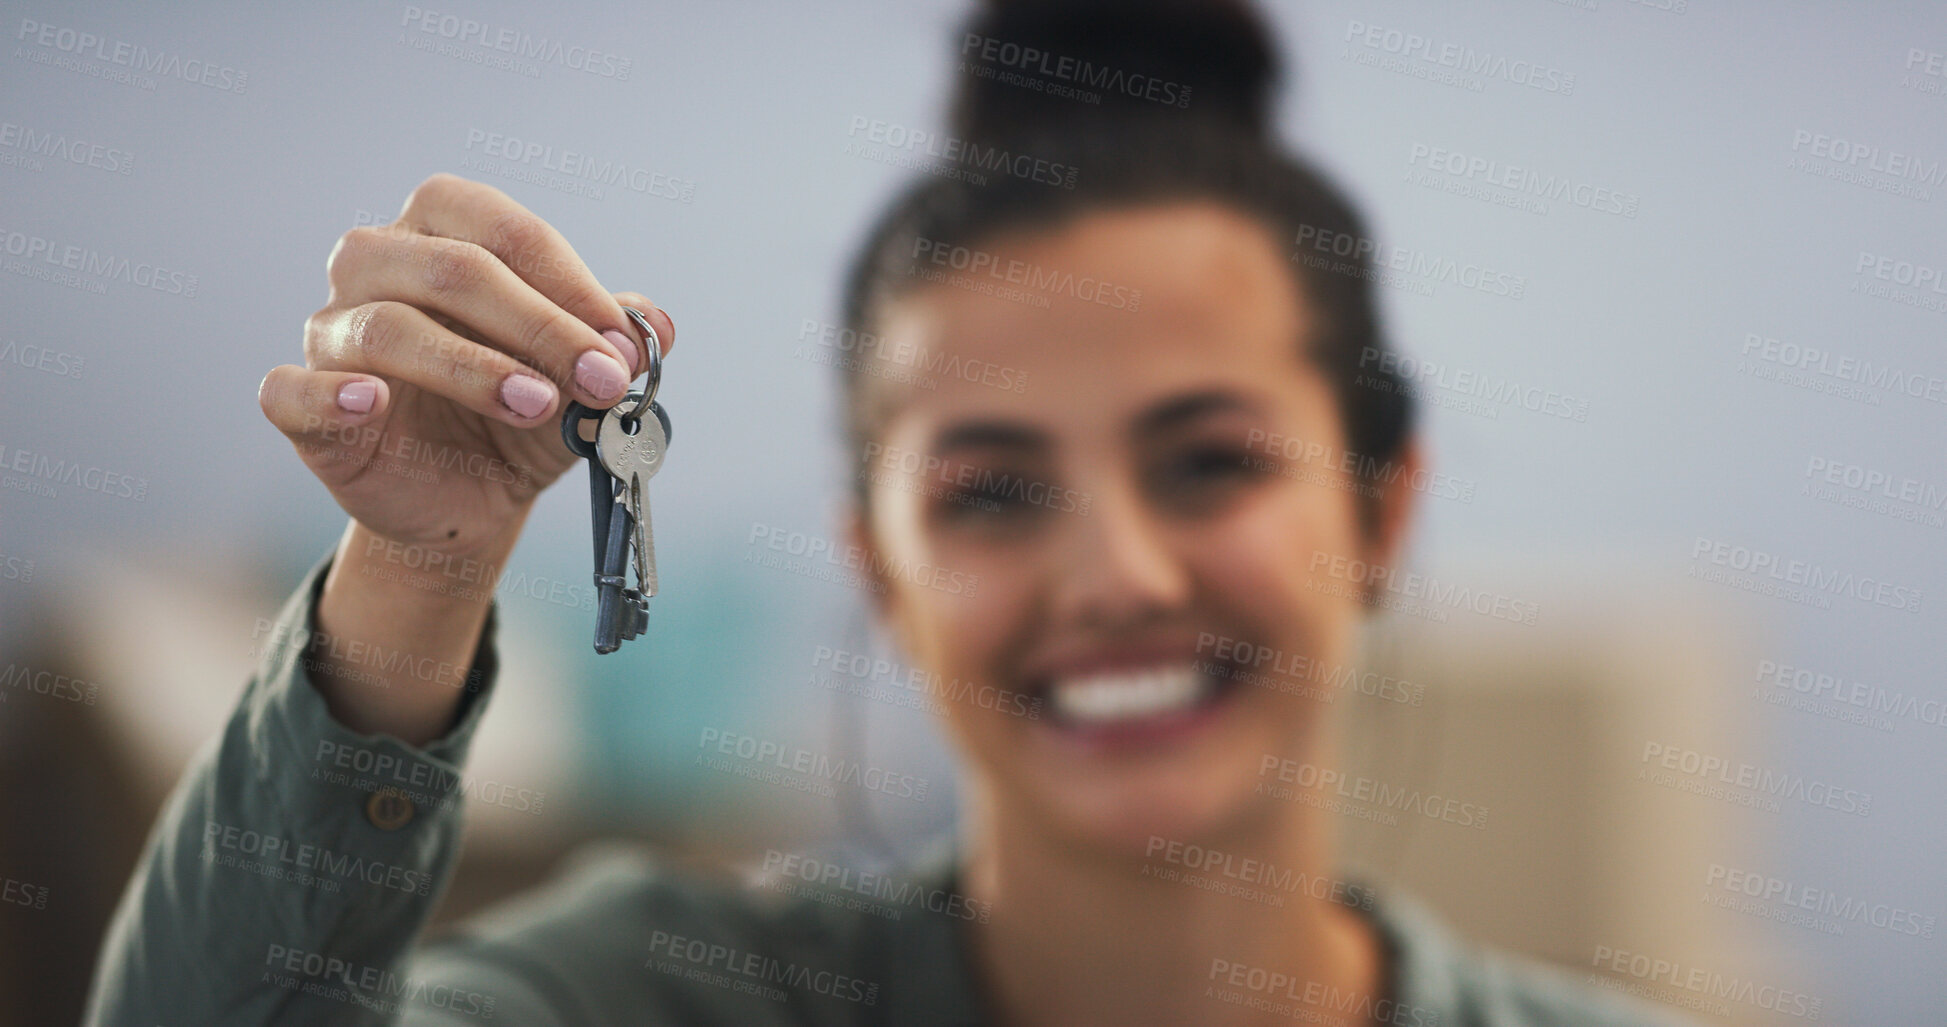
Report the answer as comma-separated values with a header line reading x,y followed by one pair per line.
x,y
655,364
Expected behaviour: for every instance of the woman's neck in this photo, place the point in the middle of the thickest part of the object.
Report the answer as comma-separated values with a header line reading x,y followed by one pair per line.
x,y
1083,937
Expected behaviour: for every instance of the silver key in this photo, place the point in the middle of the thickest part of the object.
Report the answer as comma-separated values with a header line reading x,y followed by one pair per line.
x,y
633,458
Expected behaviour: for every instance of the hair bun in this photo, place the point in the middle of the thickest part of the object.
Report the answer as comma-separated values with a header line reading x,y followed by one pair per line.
x,y
1033,68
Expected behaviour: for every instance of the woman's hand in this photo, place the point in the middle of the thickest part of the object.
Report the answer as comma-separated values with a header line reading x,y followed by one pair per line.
x,y
434,380
430,405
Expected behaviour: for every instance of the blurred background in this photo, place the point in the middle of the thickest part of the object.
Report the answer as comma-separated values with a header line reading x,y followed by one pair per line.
x,y
1721,225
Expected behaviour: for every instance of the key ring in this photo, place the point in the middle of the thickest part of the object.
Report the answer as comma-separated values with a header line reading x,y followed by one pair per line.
x,y
655,364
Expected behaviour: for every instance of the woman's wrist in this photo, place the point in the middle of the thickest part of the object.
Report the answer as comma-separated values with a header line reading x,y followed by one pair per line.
x,y
397,627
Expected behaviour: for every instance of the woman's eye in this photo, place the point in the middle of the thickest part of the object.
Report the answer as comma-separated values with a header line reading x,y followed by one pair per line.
x,y
995,498
977,502
1212,464
1203,473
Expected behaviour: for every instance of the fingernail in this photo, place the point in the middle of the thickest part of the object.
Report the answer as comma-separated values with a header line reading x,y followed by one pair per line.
x,y
601,375
627,346
357,397
526,395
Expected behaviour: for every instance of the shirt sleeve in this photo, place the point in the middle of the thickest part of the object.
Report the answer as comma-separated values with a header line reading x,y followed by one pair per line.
x,y
295,863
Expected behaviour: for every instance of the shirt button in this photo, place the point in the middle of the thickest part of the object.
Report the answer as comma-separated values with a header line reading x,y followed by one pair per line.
x,y
388,809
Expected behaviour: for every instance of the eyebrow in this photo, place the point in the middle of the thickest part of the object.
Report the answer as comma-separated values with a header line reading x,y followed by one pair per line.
x,y
990,435
1191,407
1173,413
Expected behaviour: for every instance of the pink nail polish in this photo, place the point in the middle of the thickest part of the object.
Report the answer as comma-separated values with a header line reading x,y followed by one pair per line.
x,y
357,397
628,348
526,395
601,375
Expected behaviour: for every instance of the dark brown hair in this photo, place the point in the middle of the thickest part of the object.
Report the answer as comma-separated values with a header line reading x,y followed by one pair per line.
x,y
1182,94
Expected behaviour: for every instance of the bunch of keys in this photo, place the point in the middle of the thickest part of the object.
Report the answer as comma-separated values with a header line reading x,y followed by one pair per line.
x,y
626,452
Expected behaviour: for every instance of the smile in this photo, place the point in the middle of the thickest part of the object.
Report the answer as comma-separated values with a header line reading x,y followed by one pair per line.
x,y
1136,700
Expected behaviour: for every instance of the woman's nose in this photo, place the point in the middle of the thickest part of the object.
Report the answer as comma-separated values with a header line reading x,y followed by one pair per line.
x,y
1117,566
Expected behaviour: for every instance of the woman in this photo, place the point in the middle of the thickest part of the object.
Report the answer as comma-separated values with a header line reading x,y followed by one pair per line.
x,y
1128,521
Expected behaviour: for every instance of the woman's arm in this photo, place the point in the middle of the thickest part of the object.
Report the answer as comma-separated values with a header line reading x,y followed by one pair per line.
x,y
296,862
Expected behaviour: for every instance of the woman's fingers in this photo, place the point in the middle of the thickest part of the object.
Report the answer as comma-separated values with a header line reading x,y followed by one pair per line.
x,y
300,401
471,286
402,343
458,208
323,413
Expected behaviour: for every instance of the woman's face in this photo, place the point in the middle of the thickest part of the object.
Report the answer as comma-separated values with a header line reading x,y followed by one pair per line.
x,y
1091,506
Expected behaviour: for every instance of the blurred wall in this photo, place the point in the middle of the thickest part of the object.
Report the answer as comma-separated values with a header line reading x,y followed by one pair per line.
x,y
1717,346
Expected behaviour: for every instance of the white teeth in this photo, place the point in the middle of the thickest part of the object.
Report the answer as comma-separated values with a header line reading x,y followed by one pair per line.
x,y
1128,695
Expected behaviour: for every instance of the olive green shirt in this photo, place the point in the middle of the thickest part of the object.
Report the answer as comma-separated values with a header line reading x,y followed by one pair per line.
x,y
281,886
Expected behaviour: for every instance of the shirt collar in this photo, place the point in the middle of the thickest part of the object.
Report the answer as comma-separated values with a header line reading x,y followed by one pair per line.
x,y
931,975
1422,961
930,972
